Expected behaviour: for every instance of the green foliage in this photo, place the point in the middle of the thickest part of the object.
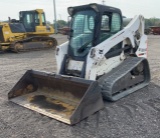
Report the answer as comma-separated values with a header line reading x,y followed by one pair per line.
x,y
48,22
148,22
152,22
61,23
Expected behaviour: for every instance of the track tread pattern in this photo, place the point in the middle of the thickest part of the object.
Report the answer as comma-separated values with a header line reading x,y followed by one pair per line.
x,y
108,80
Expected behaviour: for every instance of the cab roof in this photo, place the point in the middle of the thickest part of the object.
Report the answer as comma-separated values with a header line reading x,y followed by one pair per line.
x,y
94,6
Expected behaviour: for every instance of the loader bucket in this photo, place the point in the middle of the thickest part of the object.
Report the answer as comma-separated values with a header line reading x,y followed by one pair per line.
x,y
67,99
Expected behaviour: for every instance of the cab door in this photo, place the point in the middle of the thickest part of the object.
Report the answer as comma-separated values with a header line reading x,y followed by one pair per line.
x,y
28,20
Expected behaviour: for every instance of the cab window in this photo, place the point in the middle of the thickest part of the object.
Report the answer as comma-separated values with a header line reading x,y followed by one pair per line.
x,y
116,23
110,25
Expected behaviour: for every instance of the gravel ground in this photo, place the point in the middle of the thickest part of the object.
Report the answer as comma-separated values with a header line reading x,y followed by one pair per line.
x,y
135,116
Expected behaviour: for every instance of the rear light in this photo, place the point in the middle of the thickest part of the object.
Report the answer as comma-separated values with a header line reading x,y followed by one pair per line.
x,y
141,54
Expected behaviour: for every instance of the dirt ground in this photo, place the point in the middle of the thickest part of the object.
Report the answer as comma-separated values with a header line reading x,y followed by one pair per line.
x,y
135,116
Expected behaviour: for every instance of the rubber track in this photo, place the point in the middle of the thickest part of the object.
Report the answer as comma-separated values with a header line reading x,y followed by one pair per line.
x,y
107,81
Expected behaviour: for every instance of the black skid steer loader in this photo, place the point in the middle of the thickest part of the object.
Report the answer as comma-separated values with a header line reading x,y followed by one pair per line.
x,y
101,61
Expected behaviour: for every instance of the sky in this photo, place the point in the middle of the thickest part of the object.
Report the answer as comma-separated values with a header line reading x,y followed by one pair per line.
x,y
129,8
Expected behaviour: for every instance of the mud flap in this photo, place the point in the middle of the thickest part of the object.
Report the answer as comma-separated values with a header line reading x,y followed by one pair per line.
x,y
67,99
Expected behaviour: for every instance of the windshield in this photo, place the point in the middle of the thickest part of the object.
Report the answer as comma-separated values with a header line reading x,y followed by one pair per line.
x,y
28,20
83,30
37,18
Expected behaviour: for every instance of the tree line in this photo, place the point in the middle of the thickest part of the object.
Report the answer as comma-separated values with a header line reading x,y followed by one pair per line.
x,y
152,22
148,22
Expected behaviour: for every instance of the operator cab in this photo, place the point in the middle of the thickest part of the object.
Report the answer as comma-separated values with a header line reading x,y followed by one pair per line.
x,y
31,19
90,25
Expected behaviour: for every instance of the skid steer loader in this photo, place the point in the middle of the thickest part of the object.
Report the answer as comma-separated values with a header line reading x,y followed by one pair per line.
x,y
30,32
101,61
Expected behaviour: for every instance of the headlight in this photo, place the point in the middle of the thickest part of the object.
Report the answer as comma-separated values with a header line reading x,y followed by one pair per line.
x,y
70,10
93,52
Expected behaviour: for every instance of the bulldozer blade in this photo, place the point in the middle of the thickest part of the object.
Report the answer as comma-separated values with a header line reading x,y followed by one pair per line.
x,y
64,98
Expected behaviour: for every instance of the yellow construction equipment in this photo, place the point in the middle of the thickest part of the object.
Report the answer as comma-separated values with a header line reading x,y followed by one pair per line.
x,y
101,60
9,34
30,32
